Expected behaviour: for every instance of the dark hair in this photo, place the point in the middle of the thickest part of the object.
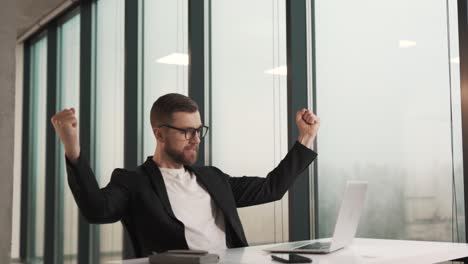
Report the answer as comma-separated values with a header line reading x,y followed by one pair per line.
x,y
166,105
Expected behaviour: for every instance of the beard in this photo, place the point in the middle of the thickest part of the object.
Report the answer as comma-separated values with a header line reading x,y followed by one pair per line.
x,y
187,156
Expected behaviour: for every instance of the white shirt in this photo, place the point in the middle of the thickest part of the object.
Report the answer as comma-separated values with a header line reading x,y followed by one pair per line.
x,y
193,206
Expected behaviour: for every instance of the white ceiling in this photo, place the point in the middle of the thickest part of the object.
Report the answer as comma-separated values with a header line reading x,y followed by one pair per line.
x,y
30,11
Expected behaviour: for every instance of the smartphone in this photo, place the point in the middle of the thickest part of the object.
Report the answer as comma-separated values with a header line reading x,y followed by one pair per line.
x,y
291,258
187,251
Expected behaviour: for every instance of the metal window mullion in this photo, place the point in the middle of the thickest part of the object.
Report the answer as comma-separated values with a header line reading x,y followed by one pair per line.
x,y
208,147
463,55
312,97
299,202
196,73
88,239
25,230
95,230
32,160
132,93
52,234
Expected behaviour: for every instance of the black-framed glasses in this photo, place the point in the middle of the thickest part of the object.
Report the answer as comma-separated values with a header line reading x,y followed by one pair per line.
x,y
190,132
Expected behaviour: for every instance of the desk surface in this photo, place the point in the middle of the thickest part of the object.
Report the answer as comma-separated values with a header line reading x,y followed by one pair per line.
x,y
362,250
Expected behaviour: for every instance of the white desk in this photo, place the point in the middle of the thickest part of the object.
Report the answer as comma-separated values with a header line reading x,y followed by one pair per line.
x,y
361,251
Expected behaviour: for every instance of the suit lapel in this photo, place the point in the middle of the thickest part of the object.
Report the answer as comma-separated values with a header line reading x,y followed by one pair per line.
x,y
158,184
220,193
213,186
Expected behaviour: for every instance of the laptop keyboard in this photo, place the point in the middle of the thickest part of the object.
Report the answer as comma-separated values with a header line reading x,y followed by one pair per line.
x,y
316,245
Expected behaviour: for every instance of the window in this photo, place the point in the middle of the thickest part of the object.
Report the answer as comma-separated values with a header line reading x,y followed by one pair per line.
x,y
108,107
68,95
384,94
165,56
37,158
249,98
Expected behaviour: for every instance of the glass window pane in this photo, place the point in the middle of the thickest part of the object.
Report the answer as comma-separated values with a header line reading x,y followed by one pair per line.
x,y
18,155
249,98
68,88
109,107
38,122
384,98
165,56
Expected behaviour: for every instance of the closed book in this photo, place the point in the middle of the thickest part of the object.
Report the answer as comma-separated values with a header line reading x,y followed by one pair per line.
x,y
171,258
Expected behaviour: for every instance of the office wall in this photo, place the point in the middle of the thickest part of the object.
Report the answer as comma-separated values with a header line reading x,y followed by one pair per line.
x,y
7,109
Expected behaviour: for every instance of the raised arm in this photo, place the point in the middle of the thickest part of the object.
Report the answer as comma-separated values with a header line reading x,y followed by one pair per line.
x,y
250,191
307,124
97,205
66,127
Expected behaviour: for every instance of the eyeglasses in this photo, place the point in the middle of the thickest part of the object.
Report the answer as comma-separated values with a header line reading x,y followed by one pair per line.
x,y
190,132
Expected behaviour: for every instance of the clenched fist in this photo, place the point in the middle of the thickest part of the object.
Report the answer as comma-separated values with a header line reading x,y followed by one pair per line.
x,y
66,126
308,124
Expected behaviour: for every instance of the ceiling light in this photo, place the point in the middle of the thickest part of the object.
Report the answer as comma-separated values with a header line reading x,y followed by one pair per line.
x,y
281,70
175,59
407,43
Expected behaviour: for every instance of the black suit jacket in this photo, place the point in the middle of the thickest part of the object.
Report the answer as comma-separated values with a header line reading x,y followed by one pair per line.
x,y
139,199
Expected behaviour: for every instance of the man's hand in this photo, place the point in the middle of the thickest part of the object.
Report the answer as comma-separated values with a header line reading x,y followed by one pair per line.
x,y
308,124
66,127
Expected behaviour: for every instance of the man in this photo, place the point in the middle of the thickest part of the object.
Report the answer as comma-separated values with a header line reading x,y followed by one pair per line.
x,y
168,204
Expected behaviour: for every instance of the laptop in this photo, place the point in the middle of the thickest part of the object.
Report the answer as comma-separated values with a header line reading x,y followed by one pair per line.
x,y
345,227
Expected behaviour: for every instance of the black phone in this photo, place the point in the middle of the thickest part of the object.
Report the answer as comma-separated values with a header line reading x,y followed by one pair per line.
x,y
291,258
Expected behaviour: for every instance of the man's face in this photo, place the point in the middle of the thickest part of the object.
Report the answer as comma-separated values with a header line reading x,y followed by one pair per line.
x,y
175,145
